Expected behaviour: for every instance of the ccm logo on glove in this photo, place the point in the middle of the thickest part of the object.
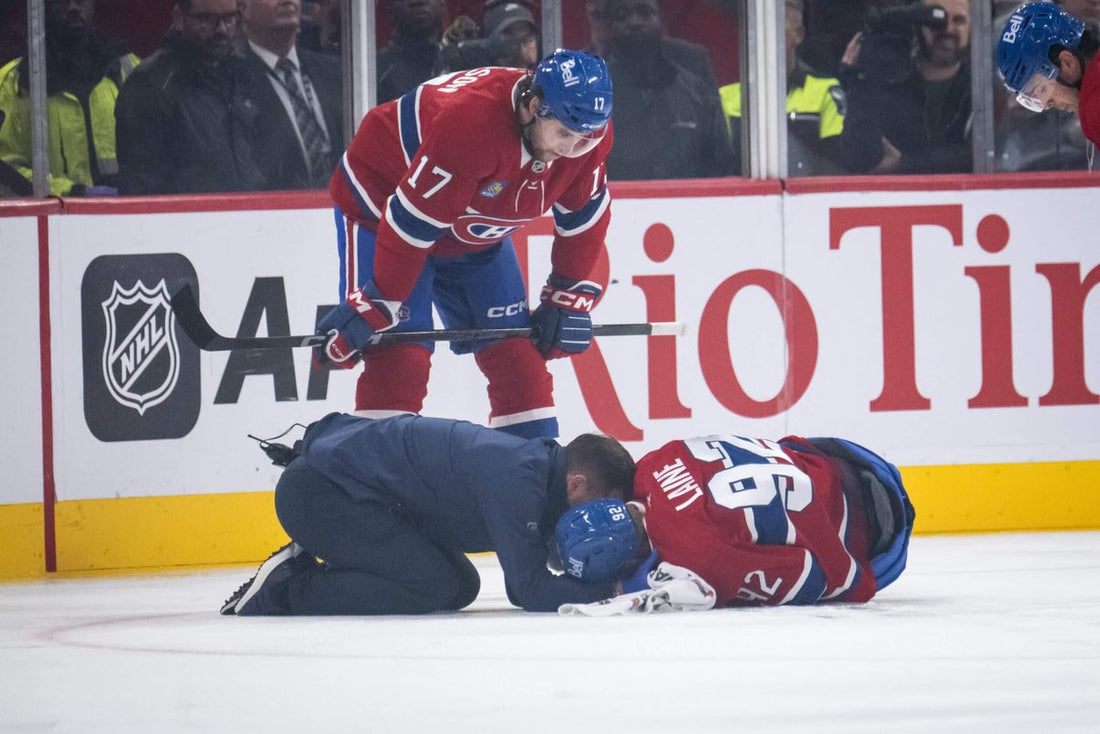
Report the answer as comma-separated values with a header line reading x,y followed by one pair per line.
x,y
369,311
562,323
581,296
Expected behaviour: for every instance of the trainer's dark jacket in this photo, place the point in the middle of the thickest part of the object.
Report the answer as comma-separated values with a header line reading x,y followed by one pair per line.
x,y
469,488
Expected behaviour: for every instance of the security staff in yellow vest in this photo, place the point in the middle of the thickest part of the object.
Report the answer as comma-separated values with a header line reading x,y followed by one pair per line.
x,y
815,110
84,70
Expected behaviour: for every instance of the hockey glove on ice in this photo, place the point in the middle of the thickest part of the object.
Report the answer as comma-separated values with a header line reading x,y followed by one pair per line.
x,y
670,589
562,324
350,326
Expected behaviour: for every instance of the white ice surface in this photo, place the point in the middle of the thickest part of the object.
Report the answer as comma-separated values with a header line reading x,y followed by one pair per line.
x,y
991,633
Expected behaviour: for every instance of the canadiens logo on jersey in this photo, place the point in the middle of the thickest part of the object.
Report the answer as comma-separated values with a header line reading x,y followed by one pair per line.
x,y
478,229
140,354
494,189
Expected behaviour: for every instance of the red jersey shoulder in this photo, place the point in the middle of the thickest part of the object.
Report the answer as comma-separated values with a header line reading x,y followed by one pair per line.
x,y
467,119
1089,110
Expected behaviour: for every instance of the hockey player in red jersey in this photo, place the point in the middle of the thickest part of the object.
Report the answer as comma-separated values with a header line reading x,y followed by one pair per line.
x,y
427,195
738,521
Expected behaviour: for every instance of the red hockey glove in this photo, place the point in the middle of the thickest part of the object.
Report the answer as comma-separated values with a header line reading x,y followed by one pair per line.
x,y
350,326
562,324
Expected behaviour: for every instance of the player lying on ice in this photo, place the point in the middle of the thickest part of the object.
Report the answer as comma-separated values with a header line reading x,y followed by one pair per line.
x,y
723,521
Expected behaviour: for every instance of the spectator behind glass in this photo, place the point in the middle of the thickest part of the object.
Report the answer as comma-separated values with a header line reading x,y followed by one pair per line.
x,y
815,110
691,56
1052,141
668,120
187,117
412,56
321,22
298,94
85,68
599,31
916,102
508,36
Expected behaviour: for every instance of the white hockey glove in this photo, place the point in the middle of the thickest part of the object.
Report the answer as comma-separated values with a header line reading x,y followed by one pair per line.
x,y
672,589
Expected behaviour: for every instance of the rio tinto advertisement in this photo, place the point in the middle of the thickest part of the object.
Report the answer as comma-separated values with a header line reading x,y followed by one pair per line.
x,y
938,327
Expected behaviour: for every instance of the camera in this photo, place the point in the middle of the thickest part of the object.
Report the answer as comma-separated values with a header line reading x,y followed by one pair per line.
x,y
493,51
888,36
468,54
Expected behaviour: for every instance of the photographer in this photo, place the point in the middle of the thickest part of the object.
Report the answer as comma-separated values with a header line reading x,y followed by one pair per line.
x,y
509,37
907,78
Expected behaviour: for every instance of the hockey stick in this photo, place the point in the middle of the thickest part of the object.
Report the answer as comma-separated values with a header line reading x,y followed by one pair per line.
x,y
190,318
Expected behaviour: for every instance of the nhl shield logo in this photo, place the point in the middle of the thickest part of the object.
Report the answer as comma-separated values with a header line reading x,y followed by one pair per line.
x,y
141,363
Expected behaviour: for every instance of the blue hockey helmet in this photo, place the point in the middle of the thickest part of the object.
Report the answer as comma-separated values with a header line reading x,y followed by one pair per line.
x,y
597,541
576,90
1023,51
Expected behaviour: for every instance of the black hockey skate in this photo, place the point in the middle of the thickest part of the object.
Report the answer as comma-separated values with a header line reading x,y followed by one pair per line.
x,y
250,597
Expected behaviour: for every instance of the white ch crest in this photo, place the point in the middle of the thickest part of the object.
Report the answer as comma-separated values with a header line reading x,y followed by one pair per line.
x,y
141,358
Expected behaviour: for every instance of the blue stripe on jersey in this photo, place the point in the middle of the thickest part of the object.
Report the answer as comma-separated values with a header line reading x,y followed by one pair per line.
x,y
739,455
412,228
408,124
813,587
568,222
771,522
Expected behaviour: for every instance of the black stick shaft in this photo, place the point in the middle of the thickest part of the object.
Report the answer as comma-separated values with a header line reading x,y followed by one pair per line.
x,y
191,319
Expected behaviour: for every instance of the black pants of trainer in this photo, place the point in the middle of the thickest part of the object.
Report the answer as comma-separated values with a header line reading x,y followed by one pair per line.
x,y
376,560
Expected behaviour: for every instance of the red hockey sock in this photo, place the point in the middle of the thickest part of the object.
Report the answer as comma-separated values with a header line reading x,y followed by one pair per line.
x,y
521,389
394,379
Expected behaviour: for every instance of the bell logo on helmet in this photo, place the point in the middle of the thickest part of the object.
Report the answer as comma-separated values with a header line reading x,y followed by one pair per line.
x,y
1012,29
568,79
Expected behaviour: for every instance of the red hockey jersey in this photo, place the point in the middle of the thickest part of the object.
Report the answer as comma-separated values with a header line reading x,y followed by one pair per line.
x,y
443,170
762,522
1089,103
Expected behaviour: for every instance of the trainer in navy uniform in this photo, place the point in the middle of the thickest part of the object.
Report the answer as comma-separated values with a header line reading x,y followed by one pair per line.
x,y
393,505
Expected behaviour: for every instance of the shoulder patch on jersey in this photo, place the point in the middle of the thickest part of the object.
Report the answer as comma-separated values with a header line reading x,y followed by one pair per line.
x,y
494,189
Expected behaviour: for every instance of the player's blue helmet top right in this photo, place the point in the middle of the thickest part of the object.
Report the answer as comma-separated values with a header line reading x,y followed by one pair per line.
x,y
1022,52
576,90
597,541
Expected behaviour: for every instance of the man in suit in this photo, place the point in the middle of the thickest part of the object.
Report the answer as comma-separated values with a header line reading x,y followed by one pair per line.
x,y
300,129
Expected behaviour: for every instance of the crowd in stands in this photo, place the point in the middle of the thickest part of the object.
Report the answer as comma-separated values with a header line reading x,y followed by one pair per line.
x,y
247,95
